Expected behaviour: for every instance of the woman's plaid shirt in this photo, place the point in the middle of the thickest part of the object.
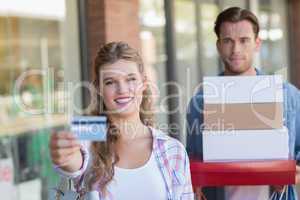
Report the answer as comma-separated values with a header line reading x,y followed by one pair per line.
x,y
173,163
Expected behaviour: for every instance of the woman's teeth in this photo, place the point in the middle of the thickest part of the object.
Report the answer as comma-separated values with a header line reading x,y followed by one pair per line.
x,y
123,100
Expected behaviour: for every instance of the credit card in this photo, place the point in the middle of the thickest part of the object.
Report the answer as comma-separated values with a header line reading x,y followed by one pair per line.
x,y
92,128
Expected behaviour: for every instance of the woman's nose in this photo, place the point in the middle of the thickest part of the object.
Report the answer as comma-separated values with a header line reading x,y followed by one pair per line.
x,y
123,87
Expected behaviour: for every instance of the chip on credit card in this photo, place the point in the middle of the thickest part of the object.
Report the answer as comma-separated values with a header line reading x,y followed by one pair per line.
x,y
92,128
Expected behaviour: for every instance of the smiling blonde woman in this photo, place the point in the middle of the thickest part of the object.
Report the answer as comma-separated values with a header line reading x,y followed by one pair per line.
x,y
137,161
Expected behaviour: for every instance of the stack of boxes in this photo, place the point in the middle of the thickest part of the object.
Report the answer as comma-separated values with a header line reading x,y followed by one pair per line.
x,y
243,119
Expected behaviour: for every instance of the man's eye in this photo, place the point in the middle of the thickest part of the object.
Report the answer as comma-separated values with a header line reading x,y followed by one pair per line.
x,y
244,40
226,41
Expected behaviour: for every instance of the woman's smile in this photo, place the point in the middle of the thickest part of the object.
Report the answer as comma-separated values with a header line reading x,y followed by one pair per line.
x,y
123,101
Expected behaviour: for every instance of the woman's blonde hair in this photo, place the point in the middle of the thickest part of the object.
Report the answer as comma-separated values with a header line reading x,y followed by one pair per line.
x,y
103,153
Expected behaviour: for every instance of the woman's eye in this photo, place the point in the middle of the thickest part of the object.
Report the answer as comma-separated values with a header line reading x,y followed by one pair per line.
x,y
132,79
108,83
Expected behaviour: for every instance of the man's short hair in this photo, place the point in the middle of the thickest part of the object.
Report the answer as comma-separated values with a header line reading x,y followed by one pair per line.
x,y
236,14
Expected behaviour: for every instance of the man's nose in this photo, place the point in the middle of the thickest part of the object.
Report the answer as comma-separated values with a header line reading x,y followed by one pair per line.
x,y
236,48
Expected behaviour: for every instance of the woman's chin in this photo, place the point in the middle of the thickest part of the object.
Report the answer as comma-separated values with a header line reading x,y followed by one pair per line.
x,y
125,112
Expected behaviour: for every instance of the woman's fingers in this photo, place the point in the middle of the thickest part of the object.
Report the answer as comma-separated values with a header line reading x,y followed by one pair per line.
x,y
64,135
59,156
64,147
63,140
63,152
64,143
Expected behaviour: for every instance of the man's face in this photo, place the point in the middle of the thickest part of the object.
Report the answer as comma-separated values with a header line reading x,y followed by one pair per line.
x,y
237,46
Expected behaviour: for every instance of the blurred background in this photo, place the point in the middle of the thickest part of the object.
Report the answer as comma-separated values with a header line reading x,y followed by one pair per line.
x,y
47,48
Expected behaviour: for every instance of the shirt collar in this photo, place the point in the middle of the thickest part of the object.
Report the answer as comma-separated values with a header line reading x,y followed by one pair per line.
x,y
258,72
158,134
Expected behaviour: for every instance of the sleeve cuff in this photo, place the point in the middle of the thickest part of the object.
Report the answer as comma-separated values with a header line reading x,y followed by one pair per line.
x,y
85,156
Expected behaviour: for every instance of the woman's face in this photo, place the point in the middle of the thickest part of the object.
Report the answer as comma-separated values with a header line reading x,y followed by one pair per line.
x,y
122,87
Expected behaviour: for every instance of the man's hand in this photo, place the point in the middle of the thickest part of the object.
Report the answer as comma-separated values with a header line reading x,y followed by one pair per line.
x,y
278,188
297,174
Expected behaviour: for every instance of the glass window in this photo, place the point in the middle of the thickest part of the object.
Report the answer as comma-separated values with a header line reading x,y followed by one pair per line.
x,y
209,58
188,70
39,54
186,44
231,3
274,50
152,22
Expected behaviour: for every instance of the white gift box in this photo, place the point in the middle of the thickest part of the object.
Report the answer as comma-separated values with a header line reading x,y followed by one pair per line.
x,y
238,145
243,102
242,89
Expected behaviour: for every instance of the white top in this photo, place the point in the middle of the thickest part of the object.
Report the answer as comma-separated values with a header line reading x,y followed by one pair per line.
x,y
145,182
246,192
